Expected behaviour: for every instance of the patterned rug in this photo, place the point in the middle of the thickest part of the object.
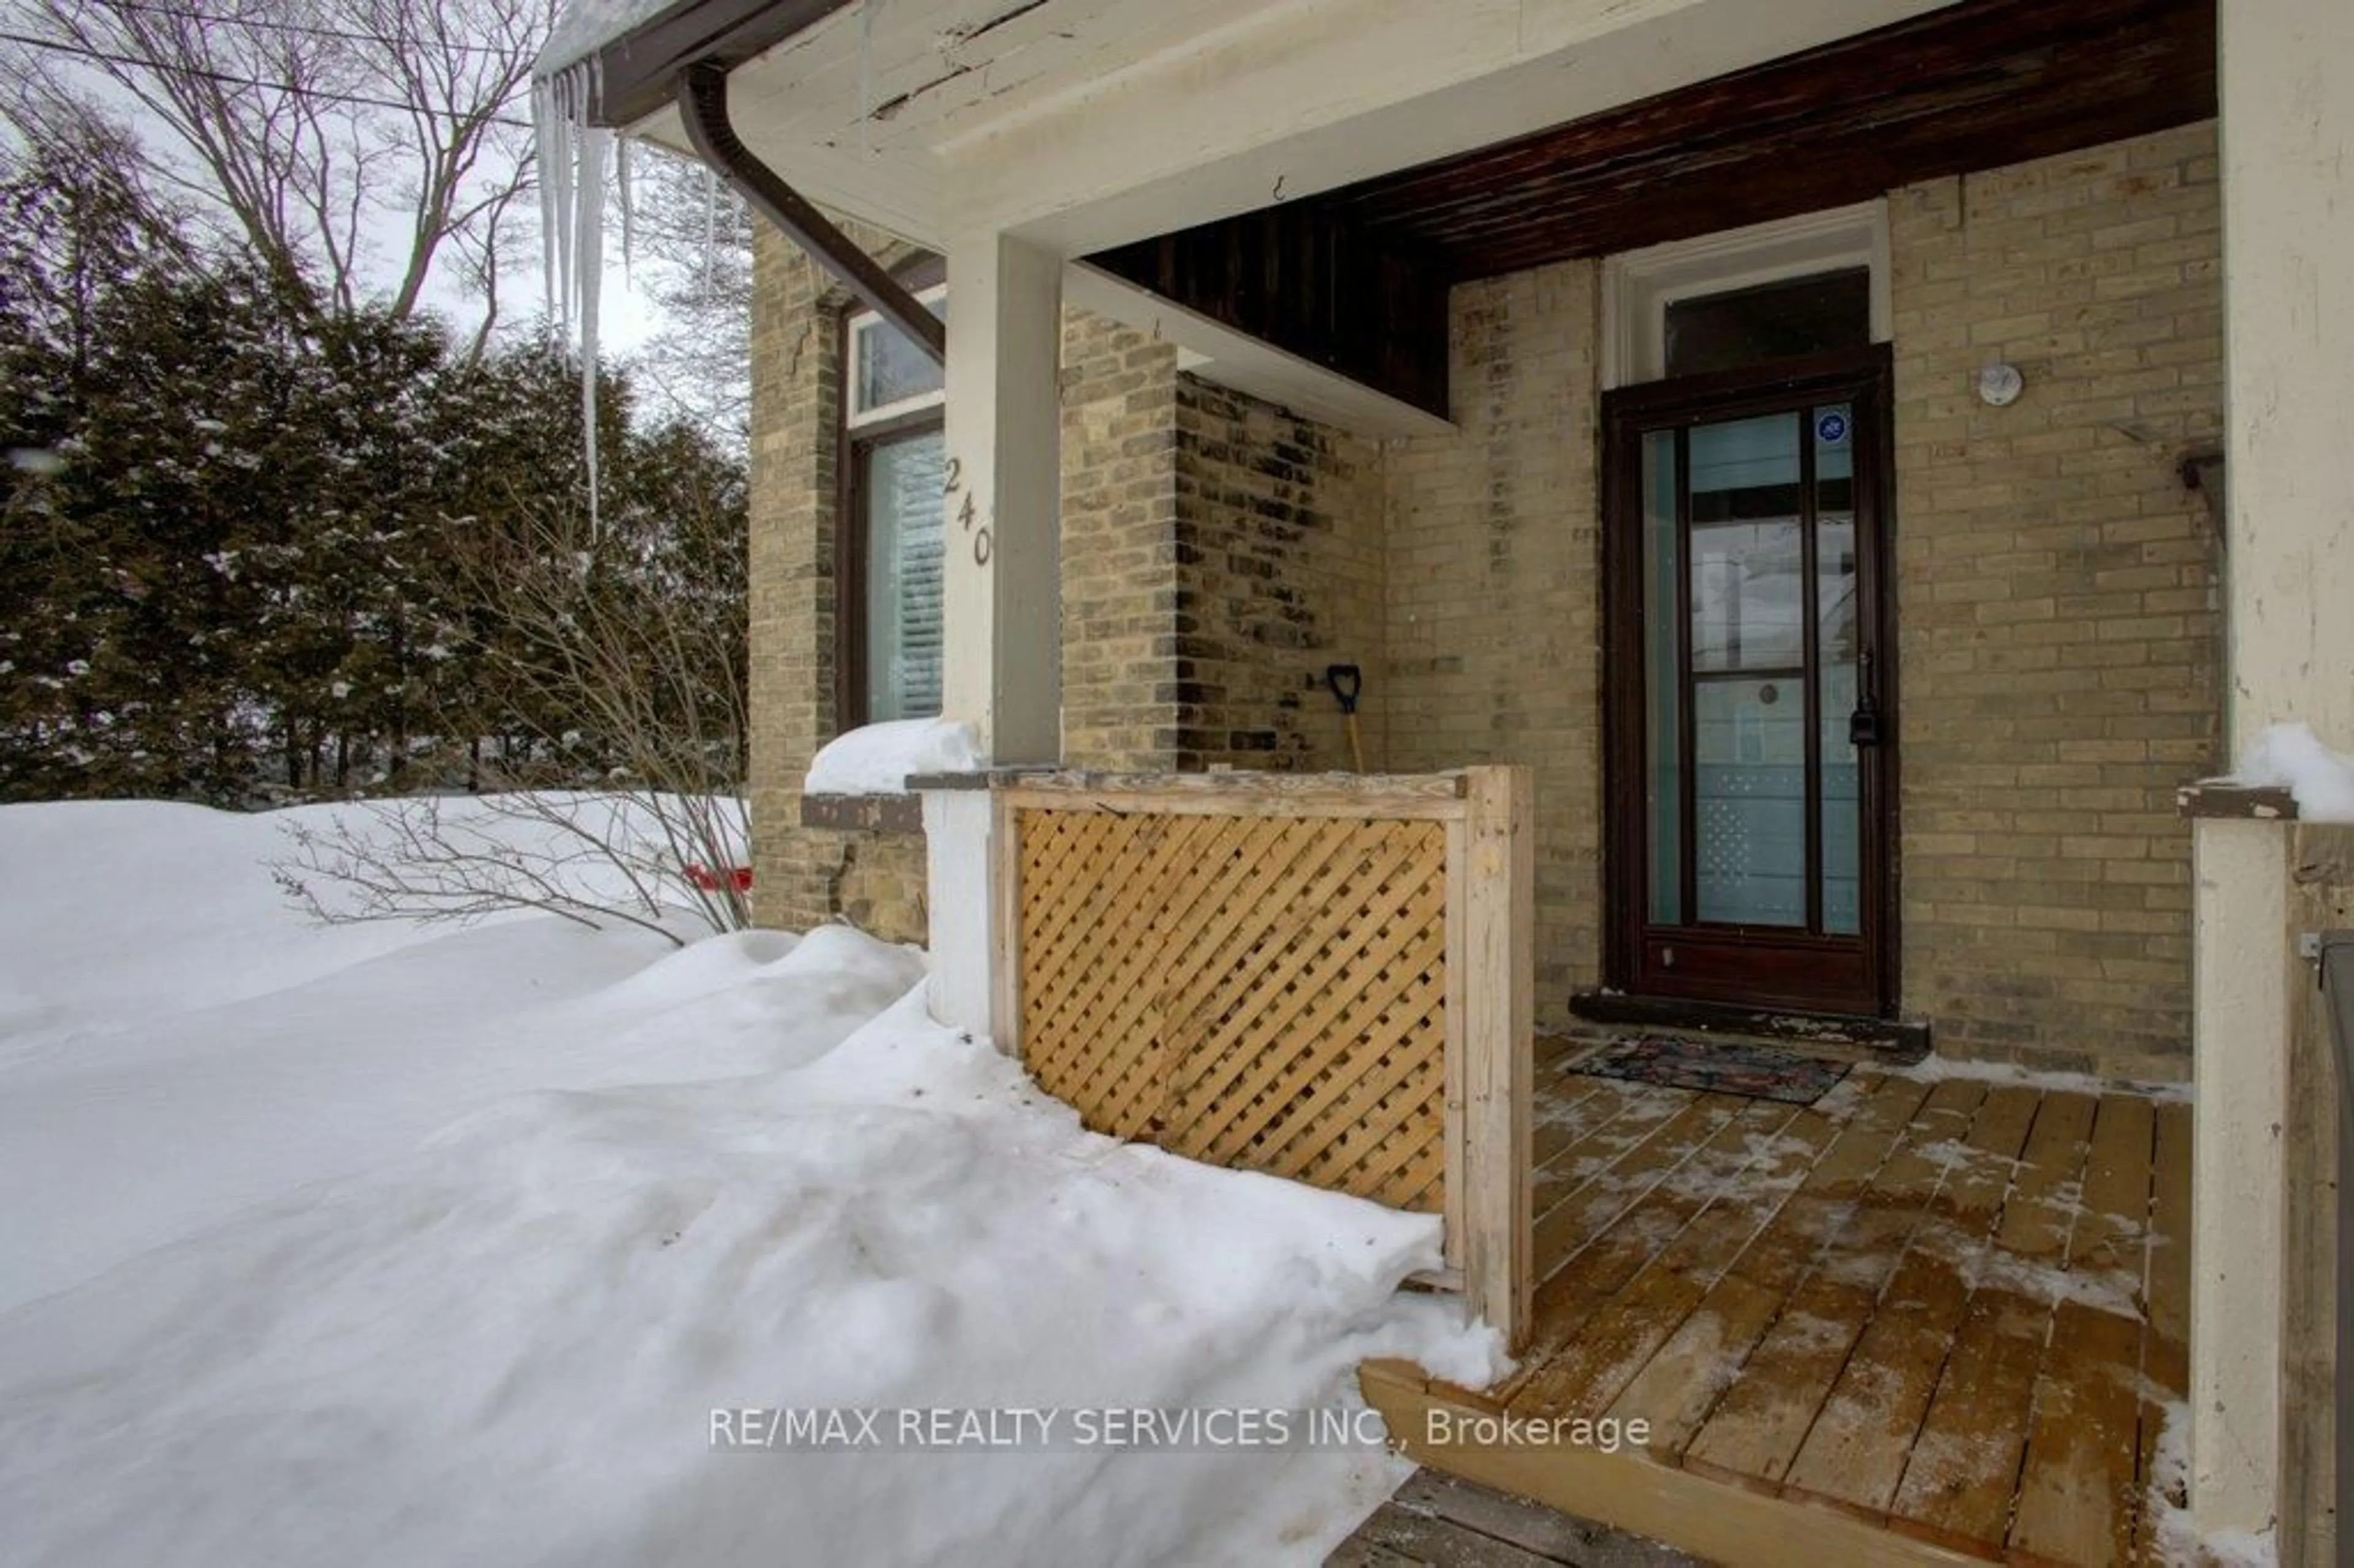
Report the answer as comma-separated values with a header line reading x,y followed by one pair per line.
x,y
1717,1067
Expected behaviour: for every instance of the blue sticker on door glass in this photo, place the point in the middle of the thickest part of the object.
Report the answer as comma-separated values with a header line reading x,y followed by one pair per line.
x,y
1831,429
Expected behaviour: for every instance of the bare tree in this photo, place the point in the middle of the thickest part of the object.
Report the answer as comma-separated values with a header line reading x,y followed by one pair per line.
x,y
313,127
691,252
617,663
598,860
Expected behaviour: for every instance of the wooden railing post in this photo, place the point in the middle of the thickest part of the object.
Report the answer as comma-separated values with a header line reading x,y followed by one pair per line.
x,y
1005,924
1491,931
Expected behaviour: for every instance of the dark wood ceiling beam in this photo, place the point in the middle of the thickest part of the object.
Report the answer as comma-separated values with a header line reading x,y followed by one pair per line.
x,y
2005,43
1976,85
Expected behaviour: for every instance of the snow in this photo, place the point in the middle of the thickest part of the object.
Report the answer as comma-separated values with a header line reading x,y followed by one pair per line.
x,y
588,25
2178,1540
1932,1069
405,1245
2291,757
880,758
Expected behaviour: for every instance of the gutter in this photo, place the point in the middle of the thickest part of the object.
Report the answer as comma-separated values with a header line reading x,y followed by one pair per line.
x,y
634,75
702,92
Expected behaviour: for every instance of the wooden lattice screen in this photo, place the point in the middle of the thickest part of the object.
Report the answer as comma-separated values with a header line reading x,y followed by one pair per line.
x,y
1322,979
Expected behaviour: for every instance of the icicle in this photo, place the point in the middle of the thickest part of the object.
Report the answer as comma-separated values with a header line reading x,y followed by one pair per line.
x,y
552,130
572,207
629,206
589,283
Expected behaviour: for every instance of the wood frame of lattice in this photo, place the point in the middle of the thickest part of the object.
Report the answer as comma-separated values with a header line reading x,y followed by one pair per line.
x,y
1329,979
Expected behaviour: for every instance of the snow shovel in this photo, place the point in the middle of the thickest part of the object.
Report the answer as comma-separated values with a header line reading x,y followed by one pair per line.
x,y
1346,681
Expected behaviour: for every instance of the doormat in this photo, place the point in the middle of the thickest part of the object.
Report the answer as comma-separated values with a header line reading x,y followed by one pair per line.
x,y
1718,1066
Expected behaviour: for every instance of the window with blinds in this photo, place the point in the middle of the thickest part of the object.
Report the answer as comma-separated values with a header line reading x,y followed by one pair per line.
x,y
893,396
903,521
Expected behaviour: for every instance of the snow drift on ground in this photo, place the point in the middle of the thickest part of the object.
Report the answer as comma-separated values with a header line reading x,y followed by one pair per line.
x,y
880,758
2291,757
437,1246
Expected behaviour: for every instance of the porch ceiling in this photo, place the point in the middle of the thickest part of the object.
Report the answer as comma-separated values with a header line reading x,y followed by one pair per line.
x,y
1345,278
1974,86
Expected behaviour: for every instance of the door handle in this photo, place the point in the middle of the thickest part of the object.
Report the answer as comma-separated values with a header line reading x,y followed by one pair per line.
x,y
1863,724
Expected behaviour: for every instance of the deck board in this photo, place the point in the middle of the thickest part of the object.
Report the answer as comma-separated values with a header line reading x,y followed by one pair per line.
x,y
1856,1453
2077,1486
1757,1428
1622,1333
1952,1314
1650,1194
1708,1354
2166,1290
1623,1143
1962,1476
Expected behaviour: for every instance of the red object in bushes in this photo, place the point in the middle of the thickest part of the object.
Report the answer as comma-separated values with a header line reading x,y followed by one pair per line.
x,y
739,878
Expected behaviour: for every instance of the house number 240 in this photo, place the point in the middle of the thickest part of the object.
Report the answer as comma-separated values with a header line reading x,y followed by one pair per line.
x,y
967,515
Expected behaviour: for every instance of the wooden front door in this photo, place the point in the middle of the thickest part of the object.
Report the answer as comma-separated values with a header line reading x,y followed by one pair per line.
x,y
1750,687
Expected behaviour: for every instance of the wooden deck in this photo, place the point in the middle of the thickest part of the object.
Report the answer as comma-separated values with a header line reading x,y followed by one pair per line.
x,y
1436,1519
1919,1322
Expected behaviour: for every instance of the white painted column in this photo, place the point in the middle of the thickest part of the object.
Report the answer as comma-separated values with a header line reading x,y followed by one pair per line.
x,y
959,852
1002,603
2289,332
2287,132
2238,1216
1002,587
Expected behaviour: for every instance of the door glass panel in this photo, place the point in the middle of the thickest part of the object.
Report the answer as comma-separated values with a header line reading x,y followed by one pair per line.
x,y
1663,707
1838,674
905,530
1747,599
1749,759
1748,617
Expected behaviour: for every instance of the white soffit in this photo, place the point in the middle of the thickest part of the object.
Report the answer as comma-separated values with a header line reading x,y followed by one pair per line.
x,y
1086,123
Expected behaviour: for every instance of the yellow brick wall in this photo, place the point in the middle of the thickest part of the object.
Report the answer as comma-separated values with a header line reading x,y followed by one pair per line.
x,y
1494,614
1280,575
1119,546
796,385
2059,640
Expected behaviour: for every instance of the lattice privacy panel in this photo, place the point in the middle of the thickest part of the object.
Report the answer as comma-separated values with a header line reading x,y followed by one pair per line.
x,y
1262,992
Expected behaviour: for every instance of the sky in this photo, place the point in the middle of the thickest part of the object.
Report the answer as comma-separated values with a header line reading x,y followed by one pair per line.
x,y
628,314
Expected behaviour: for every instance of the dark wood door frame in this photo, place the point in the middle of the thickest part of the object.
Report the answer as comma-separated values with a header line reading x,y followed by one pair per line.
x,y
1864,379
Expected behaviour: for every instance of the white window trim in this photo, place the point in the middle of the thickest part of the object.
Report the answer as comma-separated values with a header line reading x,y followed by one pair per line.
x,y
1638,286
866,321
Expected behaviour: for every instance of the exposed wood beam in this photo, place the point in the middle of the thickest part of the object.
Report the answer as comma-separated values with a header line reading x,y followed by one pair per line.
x,y
703,103
1973,86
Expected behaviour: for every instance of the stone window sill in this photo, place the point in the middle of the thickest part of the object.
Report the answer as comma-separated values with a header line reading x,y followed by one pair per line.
x,y
900,813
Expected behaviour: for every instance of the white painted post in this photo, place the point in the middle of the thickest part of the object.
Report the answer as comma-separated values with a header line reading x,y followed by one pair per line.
x,y
958,844
2288,320
2287,136
1002,595
2238,1214
1002,592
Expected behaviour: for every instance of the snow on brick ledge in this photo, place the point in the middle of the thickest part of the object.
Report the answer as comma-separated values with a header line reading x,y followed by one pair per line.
x,y
880,758
2291,757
